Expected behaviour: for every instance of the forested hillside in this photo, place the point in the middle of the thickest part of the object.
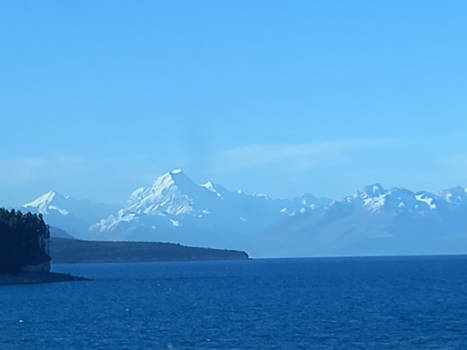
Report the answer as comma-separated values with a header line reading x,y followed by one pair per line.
x,y
65,251
23,241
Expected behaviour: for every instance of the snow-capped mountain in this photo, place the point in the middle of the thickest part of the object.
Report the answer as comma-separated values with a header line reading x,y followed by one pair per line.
x,y
378,221
174,194
375,199
456,196
72,215
48,202
373,220
174,208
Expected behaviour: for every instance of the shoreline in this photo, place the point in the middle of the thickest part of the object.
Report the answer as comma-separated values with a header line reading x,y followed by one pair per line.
x,y
68,251
38,278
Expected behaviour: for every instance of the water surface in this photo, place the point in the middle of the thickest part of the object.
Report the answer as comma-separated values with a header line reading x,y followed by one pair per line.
x,y
348,303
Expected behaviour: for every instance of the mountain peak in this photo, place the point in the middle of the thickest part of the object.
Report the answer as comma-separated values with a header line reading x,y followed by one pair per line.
x,y
44,202
45,198
373,190
455,194
175,177
171,193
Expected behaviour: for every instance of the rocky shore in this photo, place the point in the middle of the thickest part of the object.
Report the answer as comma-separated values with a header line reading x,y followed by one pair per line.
x,y
37,277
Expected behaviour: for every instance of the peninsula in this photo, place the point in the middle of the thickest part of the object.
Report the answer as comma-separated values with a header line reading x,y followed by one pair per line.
x,y
65,250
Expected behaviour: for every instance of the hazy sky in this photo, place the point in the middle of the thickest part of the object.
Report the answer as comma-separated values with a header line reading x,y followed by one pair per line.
x,y
99,97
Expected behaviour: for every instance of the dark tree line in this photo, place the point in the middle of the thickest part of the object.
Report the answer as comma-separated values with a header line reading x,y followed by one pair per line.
x,y
23,240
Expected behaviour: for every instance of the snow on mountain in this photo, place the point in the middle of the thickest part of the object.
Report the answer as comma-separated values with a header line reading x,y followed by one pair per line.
x,y
455,196
48,202
303,204
174,208
376,199
171,195
72,215
165,196
373,220
210,186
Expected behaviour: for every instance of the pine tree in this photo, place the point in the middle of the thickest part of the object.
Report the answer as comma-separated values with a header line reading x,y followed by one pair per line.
x,y
23,240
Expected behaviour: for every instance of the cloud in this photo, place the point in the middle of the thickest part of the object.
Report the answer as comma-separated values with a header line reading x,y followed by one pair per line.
x,y
18,171
297,156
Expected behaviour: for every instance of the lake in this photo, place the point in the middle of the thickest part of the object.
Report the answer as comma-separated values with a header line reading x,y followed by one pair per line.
x,y
323,303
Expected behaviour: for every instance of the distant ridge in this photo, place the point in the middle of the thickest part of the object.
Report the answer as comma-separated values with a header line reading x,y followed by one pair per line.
x,y
372,221
77,251
56,232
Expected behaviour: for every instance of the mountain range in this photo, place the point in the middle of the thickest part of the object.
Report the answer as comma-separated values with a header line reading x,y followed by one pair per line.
x,y
372,221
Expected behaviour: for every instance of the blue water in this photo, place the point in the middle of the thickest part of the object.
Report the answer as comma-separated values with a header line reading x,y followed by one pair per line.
x,y
360,303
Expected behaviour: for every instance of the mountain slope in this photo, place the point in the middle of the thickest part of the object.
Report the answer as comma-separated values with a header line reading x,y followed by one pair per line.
x,y
176,209
372,221
67,213
376,221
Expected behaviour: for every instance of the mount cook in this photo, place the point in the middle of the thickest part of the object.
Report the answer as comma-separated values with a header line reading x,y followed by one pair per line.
x,y
372,221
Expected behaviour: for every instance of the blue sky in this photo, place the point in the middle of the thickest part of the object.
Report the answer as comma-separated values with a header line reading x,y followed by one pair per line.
x,y
99,97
